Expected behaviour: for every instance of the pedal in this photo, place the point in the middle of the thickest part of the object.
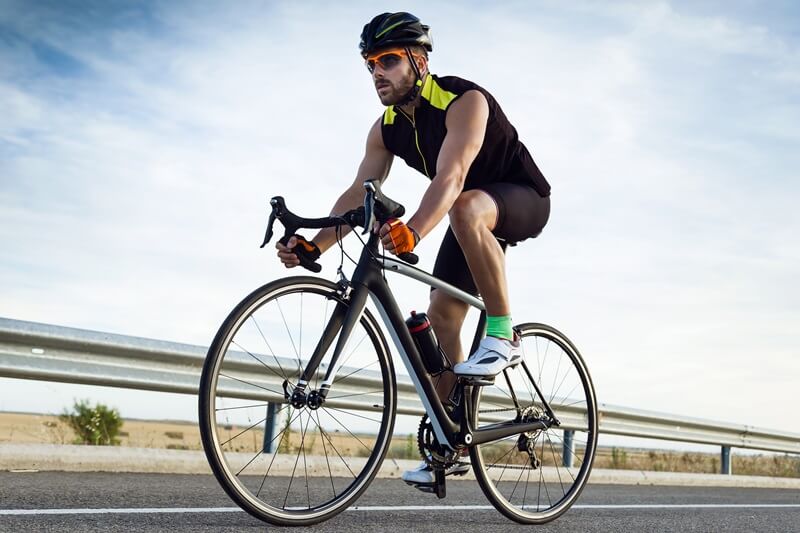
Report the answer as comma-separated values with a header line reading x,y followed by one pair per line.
x,y
430,488
477,381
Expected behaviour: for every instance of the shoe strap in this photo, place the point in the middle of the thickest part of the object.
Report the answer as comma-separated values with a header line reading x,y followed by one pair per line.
x,y
493,344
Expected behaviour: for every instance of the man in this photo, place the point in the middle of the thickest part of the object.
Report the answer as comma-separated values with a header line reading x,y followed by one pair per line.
x,y
482,177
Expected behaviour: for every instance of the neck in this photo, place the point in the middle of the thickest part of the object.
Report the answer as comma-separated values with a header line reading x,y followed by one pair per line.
x,y
409,107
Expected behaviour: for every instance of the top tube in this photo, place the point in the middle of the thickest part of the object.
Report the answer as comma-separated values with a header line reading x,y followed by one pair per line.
x,y
395,265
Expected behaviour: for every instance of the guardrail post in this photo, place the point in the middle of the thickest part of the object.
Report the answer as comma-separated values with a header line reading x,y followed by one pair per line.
x,y
569,448
726,460
269,427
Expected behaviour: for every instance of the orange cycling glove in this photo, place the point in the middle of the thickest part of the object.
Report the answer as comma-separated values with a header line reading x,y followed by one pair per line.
x,y
403,238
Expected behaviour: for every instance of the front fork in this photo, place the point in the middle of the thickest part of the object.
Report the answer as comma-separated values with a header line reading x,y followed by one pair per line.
x,y
343,319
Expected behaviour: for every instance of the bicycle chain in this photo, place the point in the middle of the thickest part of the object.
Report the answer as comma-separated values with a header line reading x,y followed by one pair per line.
x,y
436,463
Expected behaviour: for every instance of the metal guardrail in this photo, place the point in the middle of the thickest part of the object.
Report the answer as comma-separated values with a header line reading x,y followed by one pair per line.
x,y
35,351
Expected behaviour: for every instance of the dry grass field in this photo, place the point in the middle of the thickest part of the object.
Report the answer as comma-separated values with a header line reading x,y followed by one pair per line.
x,y
24,428
48,429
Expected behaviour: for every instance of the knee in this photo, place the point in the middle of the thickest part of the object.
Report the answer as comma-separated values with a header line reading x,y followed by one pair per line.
x,y
466,212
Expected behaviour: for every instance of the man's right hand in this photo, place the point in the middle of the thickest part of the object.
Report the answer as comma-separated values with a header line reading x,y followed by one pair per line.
x,y
296,244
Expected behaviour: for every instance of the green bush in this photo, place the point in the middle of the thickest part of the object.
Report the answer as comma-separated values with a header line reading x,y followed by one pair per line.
x,y
96,425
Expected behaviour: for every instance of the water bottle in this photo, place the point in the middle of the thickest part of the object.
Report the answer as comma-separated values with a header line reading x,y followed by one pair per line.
x,y
427,345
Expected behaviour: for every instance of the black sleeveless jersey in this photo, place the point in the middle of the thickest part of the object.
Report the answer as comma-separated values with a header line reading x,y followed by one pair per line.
x,y
417,139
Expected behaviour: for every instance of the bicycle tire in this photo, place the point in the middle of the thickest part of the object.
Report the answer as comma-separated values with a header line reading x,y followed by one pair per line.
x,y
222,460
491,464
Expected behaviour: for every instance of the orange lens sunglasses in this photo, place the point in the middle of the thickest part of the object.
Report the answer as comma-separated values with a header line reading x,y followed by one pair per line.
x,y
387,59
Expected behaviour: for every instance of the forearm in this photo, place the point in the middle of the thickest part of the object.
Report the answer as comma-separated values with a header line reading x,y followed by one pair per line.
x,y
350,199
437,201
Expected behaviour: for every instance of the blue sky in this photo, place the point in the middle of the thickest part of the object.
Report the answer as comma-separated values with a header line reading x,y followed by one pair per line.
x,y
139,143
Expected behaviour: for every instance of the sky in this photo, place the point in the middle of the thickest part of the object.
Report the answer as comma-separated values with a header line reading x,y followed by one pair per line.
x,y
140,143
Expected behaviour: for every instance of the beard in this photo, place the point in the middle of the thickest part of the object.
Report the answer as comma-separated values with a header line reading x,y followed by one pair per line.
x,y
397,91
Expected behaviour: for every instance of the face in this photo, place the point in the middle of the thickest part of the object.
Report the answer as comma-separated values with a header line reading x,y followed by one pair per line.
x,y
392,75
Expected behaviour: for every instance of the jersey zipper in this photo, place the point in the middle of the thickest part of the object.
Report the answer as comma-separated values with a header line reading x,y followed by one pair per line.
x,y
413,122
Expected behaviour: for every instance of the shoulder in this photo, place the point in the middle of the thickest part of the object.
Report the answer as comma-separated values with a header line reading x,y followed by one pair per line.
x,y
443,92
455,84
469,106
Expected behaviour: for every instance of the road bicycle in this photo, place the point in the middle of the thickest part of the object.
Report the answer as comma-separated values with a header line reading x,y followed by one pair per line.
x,y
298,394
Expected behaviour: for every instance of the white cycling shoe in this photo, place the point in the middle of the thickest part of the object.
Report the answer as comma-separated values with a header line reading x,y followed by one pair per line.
x,y
423,474
492,357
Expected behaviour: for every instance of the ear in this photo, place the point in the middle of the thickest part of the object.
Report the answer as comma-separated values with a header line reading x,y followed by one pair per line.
x,y
422,63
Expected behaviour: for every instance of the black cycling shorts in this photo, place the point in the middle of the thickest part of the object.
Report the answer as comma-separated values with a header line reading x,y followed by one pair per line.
x,y
522,214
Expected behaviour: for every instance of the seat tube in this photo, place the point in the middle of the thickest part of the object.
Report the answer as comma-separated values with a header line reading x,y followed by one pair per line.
x,y
480,332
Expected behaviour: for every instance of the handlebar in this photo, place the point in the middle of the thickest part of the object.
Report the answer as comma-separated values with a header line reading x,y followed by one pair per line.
x,y
377,207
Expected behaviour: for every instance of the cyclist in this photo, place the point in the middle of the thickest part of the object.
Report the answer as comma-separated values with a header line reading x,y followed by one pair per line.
x,y
454,132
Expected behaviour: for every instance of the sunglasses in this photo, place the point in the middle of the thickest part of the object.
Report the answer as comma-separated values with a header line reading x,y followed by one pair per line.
x,y
387,60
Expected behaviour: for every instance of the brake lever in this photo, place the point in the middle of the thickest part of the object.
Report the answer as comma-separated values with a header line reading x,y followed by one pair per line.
x,y
369,208
272,216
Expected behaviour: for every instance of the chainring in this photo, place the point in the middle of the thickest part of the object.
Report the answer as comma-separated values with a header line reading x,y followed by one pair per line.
x,y
433,453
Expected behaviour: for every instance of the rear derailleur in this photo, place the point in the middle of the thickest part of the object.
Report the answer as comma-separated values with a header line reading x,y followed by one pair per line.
x,y
526,442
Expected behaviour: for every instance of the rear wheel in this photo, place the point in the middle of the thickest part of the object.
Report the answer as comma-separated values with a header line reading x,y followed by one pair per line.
x,y
535,477
285,464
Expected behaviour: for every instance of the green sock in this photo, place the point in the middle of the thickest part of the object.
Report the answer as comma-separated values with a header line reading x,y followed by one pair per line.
x,y
499,326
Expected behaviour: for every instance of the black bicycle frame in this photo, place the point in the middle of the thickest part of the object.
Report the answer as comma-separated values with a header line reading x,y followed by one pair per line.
x,y
452,429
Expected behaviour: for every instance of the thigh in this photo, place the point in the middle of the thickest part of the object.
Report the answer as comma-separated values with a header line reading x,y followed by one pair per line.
x,y
451,265
521,212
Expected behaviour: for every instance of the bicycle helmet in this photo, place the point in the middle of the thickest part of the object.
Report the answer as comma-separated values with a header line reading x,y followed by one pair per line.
x,y
397,30
394,29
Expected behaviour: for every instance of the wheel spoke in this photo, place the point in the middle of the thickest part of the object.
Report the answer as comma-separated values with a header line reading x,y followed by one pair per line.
x,y
325,451
271,351
330,442
274,455
251,384
356,371
242,407
350,354
243,431
297,460
291,339
355,394
327,410
248,352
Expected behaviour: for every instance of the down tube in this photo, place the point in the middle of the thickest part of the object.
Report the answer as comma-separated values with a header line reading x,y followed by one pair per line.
x,y
443,426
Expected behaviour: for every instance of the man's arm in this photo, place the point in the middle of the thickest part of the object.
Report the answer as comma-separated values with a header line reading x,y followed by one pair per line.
x,y
466,127
375,165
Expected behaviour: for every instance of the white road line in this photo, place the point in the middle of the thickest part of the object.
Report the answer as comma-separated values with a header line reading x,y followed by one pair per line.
x,y
173,510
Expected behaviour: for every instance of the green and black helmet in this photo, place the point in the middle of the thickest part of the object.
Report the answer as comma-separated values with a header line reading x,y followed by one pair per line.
x,y
394,29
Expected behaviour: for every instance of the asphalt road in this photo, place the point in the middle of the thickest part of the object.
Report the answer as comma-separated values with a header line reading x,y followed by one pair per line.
x,y
52,501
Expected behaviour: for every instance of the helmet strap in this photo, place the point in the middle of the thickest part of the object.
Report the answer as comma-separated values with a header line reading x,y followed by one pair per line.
x,y
412,94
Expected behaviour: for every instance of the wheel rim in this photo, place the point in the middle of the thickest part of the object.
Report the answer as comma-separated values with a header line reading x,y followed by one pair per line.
x,y
515,486
322,458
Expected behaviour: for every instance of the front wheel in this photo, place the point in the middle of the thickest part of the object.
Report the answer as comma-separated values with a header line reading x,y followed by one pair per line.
x,y
534,477
295,464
